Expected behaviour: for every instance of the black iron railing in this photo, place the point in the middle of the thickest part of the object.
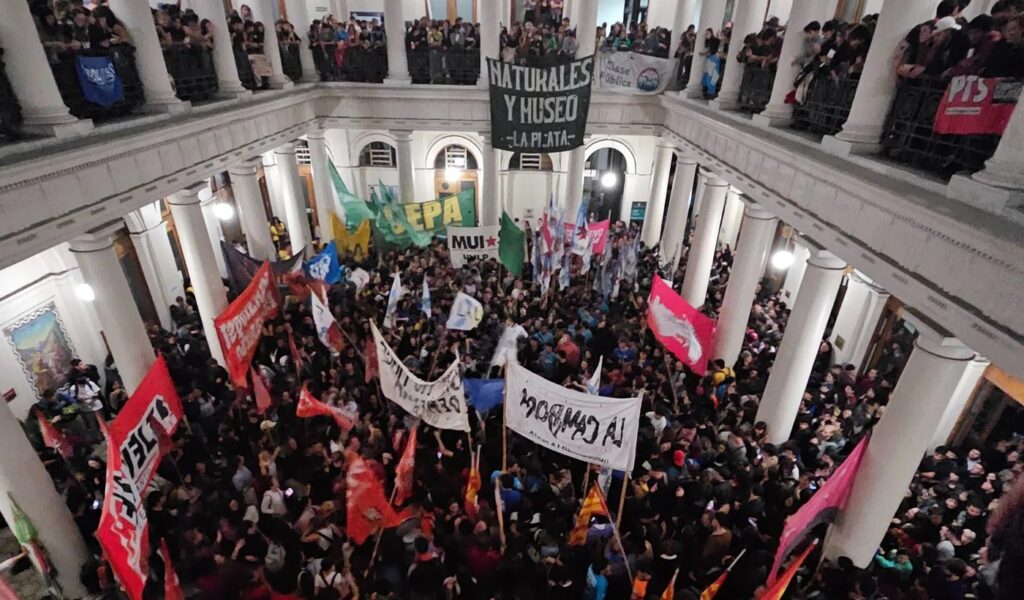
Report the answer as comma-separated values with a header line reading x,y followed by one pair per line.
x,y
756,88
10,110
909,136
825,105
458,67
192,70
65,73
245,74
355,64
290,62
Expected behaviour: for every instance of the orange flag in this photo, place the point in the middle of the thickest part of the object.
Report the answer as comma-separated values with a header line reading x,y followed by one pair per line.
x,y
712,589
670,591
778,588
593,505
473,485
403,472
259,389
172,586
368,508
311,407
53,437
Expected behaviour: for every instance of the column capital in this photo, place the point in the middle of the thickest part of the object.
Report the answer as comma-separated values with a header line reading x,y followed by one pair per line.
x,y
856,275
755,211
186,196
285,148
97,239
948,348
246,168
402,135
686,157
144,219
315,134
825,260
712,180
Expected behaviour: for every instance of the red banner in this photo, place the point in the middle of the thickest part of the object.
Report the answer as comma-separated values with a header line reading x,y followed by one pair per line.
x,y
134,450
598,234
239,327
681,328
975,105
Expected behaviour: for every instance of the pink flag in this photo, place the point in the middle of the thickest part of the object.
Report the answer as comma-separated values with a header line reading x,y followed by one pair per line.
x,y
598,235
823,506
259,389
683,330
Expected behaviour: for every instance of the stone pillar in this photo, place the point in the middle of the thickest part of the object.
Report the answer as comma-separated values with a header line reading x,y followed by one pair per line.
x,y
731,218
755,240
398,63
655,215
898,442
298,15
115,307
780,401
207,201
586,30
262,12
702,252
490,195
674,233
857,319
294,199
199,258
958,401
149,57
406,172
795,272
862,131
322,185
339,8
272,173
684,17
748,17
633,186
252,216
228,83
490,33
1006,167
778,113
698,194
712,14
24,478
43,112
148,231
574,183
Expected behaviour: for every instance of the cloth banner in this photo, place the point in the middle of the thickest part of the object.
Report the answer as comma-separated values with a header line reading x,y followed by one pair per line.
x,y
484,394
681,328
242,268
136,443
467,312
975,105
539,109
440,403
633,73
425,219
588,428
99,80
240,325
325,266
598,234
479,243
357,244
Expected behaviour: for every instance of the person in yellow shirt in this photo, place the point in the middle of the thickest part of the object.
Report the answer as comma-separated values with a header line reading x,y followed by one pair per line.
x,y
722,372
278,232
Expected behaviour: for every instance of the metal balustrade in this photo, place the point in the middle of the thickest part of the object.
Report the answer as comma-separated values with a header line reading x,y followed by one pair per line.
x,y
452,66
825,105
192,71
65,73
245,74
10,110
356,64
290,62
756,88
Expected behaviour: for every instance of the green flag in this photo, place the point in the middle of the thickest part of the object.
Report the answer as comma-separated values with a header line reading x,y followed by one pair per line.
x,y
24,530
355,209
393,223
511,250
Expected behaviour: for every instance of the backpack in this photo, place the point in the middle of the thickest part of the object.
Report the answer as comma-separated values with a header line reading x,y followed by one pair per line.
x,y
274,560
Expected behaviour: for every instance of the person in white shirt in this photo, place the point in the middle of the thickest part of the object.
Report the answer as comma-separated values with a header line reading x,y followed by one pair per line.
x,y
273,500
90,401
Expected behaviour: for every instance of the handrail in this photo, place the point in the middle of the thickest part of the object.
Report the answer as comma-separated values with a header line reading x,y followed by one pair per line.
x,y
823,104
451,66
193,72
756,88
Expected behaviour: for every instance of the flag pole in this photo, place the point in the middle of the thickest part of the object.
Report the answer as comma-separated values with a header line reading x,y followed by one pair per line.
x,y
622,502
504,424
501,513
380,532
672,383
586,479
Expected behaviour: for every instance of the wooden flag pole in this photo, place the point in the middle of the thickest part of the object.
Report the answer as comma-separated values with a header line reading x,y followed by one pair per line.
x,y
586,480
501,513
672,384
622,501
504,426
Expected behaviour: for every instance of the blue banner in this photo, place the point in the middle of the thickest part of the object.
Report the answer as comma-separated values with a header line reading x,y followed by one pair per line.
x,y
325,266
99,80
484,394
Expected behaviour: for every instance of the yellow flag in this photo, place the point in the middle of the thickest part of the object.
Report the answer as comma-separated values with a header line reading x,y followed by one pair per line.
x,y
593,505
357,243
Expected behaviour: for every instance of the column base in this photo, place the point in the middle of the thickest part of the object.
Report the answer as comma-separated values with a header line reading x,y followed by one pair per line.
x,y
833,144
774,116
309,77
171,107
397,81
228,91
280,84
981,193
692,92
63,129
728,103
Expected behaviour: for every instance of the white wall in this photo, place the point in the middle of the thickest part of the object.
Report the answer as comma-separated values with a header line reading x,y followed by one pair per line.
x,y
872,7
609,11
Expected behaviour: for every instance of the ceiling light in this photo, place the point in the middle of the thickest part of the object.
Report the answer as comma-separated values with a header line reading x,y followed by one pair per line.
x,y
85,292
782,260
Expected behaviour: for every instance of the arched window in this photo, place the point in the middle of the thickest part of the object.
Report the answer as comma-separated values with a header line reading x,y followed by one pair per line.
x,y
378,154
455,157
530,161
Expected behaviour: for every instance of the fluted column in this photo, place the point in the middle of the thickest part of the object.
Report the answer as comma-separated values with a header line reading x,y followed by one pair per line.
x,y
712,14
294,199
702,253
777,112
674,233
756,235
655,214
115,306
252,216
228,83
398,63
298,15
149,57
202,266
780,402
574,182
322,185
748,17
148,231
490,196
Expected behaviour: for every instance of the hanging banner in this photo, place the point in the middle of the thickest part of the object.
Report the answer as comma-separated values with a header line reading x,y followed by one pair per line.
x,y
431,217
539,109
136,442
325,266
466,243
240,325
975,105
440,403
242,268
99,80
588,428
682,329
632,73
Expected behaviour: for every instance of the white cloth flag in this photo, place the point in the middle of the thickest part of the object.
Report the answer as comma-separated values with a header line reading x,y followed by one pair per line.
x,y
465,243
466,313
440,403
393,297
507,349
359,277
324,321
578,425
594,383
425,306
633,73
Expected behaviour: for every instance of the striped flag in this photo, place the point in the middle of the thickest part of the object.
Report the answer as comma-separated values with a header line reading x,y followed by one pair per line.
x,y
778,589
593,505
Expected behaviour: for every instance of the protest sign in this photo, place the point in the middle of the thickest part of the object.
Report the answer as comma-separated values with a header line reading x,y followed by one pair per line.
x,y
468,243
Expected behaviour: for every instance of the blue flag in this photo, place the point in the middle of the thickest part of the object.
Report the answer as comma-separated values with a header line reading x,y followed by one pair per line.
x,y
99,80
484,394
325,266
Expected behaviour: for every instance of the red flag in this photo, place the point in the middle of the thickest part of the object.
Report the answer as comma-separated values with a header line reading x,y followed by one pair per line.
x,y
683,330
370,357
311,407
53,437
259,389
172,586
6,593
778,589
296,357
240,325
712,589
670,590
403,472
368,509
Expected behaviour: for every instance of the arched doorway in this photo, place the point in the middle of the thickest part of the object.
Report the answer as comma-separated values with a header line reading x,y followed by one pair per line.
x,y
604,180
455,170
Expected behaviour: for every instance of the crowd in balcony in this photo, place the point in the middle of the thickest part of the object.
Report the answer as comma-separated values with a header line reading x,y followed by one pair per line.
x,y
65,28
353,50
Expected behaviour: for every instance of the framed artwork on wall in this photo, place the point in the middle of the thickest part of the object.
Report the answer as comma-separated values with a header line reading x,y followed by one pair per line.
x,y
42,346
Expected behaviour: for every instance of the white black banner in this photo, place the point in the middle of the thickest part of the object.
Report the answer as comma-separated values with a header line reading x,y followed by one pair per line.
x,y
632,73
466,243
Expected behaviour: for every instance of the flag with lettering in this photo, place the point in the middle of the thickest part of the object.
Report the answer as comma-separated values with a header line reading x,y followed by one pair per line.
x,y
240,326
681,328
99,80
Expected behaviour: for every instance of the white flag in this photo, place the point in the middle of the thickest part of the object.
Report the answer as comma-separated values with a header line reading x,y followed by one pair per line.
x,y
393,297
595,380
466,313
507,349
326,327
426,298
359,277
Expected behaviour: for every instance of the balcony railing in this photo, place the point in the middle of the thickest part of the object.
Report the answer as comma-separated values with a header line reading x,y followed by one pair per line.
x,y
10,110
457,67
909,135
756,88
825,105
65,73
355,64
245,74
193,72
290,63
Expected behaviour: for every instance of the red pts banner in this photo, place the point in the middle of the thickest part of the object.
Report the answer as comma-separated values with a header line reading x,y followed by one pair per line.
x,y
681,328
240,326
975,105
136,444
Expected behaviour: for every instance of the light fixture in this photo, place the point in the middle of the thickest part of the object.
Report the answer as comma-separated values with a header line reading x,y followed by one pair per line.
x,y
224,211
85,292
609,180
782,260
452,174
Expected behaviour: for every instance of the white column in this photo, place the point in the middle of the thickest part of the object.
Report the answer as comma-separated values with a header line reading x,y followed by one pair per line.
x,y
149,57
698,193
274,187
394,24
252,216
633,188
788,379
43,112
199,258
323,188
684,17
898,442
586,29
1006,167
747,265
794,273
24,478
731,218
490,33
702,252
577,160
262,12
857,319
490,194
115,306
339,8
862,131
148,231
655,214
748,17
228,84
294,200
207,201
958,401
778,113
678,208
712,14
298,15
406,172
